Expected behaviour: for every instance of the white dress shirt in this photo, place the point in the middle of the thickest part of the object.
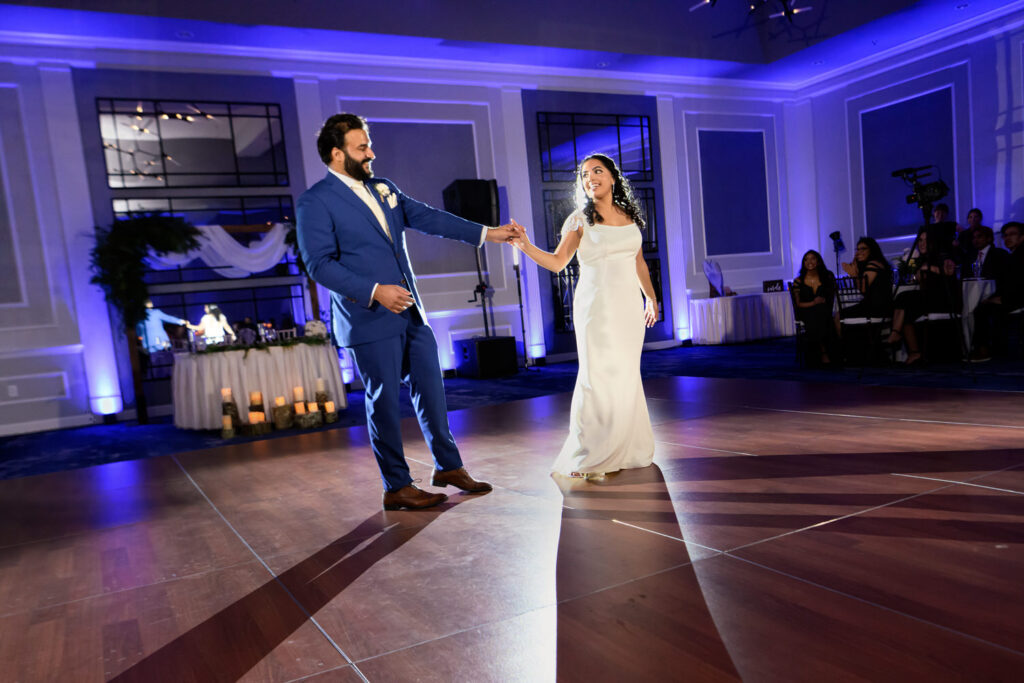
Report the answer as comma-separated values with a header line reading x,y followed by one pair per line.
x,y
363,192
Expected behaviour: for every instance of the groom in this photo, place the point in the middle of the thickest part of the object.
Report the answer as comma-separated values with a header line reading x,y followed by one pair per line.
x,y
351,234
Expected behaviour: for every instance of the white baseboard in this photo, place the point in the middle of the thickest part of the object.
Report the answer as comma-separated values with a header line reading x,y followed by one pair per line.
x,y
49,424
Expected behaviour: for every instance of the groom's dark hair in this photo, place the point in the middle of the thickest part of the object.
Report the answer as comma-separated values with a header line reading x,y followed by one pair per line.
x,y
333,133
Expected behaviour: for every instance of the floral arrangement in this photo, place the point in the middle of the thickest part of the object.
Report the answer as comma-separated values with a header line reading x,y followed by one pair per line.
x,y
907,264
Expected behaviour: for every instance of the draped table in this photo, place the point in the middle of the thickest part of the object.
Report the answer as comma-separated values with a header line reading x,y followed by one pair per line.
x,y
975,291
729,319
274,371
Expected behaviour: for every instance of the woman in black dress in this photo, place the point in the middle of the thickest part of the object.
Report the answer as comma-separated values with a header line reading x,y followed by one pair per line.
x,y
814,291
874,280
938,292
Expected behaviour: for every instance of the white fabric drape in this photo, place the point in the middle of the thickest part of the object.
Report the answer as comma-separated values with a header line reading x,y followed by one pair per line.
x,y
730,319
198,379
222,252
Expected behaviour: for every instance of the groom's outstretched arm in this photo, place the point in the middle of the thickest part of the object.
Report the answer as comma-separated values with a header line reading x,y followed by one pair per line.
x,y
427,219
315,232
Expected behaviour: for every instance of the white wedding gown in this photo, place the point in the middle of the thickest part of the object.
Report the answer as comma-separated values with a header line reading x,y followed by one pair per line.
x,y
609,427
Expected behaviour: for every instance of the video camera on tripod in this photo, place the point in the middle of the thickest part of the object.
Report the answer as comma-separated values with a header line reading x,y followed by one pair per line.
x,y
925,194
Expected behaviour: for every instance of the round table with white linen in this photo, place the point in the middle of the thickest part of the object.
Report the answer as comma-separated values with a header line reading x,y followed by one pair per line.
x,y
730,319
274,371
975,291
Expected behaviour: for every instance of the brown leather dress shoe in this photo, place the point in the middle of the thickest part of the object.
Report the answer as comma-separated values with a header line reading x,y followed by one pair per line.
x,y
460,479
412,498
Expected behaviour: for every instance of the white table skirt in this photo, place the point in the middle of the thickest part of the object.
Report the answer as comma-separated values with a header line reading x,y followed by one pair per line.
x,y
729,319
198,379
975,291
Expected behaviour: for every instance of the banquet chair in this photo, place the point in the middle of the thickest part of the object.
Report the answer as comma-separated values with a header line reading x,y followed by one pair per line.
x,y
871,329
801,329
944,326
286,334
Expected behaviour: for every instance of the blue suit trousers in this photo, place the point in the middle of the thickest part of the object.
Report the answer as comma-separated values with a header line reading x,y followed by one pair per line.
x,y
384,365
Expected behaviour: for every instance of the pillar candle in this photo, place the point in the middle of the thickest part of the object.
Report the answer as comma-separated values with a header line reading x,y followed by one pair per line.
x,y
255,397
226,421
300,408
329,407
225,394
320,384
314,407
279,401
298,394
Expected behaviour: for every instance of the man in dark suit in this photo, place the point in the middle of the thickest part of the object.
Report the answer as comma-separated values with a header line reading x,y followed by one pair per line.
x,y
351,233
1009,297
989,260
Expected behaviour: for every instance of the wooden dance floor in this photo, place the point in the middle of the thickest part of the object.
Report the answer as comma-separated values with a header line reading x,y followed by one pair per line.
x,y
788,532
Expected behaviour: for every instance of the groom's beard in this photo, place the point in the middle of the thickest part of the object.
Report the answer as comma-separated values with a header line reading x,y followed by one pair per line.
x,y
357,170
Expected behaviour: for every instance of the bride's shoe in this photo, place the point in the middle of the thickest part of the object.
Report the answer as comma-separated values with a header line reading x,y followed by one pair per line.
x,y
595,476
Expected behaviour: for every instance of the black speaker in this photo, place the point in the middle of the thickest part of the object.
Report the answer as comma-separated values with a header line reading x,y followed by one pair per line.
x,y
474,200
484,357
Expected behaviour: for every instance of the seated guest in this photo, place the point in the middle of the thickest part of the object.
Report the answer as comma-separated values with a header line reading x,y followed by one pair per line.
x,y
940,214
813,293
214,326
1009,296
965,238
989,261
938,292
874,279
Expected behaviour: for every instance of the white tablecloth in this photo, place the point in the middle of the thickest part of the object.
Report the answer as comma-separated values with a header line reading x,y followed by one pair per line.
x,y
198,379
728,319
975,291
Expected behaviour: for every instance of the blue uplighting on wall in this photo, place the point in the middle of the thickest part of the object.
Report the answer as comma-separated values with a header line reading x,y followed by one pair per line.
x,y
915,132
734,190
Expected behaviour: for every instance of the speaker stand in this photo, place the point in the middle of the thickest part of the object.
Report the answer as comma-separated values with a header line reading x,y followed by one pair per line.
x,y
522,314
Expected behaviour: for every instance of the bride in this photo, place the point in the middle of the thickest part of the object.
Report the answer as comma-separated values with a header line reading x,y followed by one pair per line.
x,y
609,428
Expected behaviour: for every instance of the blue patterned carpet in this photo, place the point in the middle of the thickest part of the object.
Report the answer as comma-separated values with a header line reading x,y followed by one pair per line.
x,y
31,454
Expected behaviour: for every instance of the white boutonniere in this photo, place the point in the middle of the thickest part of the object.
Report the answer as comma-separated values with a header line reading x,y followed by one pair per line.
x,y
386,195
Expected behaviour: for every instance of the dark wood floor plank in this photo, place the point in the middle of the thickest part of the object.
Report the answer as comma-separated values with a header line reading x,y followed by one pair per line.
x,y
954,557
212,627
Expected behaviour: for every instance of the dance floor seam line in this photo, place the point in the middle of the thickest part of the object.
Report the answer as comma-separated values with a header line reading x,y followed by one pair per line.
x,y
674,538
883,418
469,629
310,617
320,673
838,519
891,610
705,448
962,483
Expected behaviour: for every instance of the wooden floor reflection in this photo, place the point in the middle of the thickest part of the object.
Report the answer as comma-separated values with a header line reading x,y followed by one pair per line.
x,y
787,532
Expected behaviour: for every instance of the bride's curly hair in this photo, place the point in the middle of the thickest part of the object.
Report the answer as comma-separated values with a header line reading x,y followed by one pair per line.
x,y
622,193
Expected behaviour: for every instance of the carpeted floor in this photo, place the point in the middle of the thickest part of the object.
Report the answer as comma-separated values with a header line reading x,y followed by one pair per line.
x,y
30,454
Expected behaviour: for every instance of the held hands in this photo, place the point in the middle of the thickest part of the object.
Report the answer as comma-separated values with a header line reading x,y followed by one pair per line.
x,y
650,312
521,239
504,233
394,298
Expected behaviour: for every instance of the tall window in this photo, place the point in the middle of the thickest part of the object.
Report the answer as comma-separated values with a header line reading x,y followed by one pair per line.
x,y
565,140
157,143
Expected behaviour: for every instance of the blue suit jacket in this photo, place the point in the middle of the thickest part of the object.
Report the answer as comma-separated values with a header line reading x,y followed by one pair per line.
x,y
345,250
